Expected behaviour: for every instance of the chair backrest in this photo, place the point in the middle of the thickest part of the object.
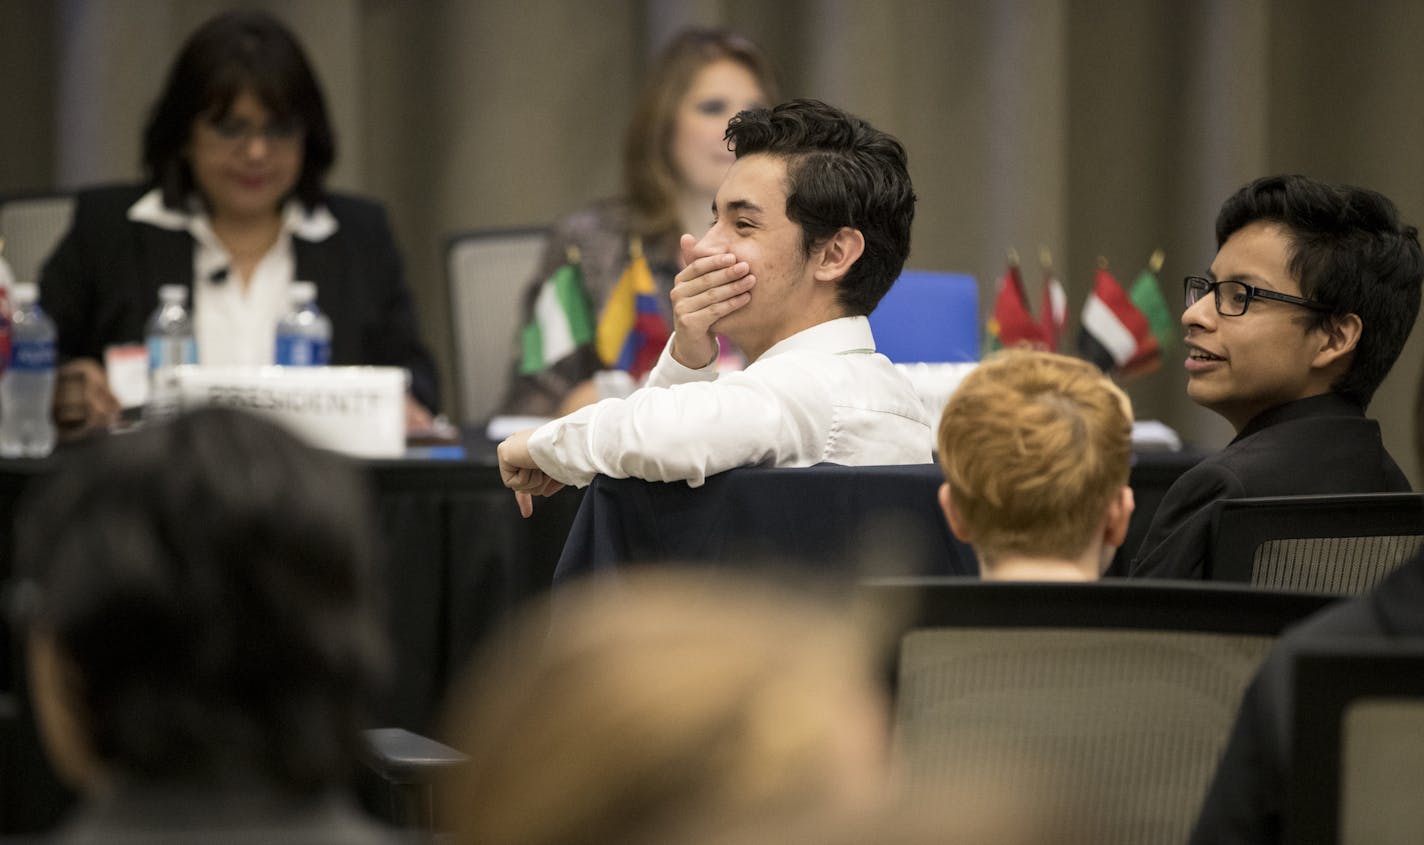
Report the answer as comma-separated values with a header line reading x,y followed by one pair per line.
x,y
1342,544
32,227
1357,744
1108,704
487,272
928,317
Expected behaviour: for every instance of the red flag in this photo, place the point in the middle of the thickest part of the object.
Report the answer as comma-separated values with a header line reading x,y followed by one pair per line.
x,y
1011,323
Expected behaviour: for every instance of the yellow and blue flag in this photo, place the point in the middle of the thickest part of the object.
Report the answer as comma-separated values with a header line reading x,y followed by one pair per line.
x,y
631,330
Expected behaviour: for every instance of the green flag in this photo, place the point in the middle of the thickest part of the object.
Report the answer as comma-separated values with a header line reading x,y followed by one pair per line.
x,y
563,321
1146,294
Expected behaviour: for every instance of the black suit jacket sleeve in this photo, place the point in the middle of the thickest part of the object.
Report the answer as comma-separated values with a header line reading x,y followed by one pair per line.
x,y
371,310
1180,532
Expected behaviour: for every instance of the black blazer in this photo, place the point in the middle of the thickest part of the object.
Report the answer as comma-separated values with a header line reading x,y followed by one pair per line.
x,y
101,284
1320,445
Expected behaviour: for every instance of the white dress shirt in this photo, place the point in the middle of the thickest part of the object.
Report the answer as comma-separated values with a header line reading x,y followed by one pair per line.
x,y
821,395
235,323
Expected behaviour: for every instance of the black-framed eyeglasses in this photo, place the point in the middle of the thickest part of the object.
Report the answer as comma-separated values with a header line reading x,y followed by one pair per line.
x,y
237,133
1233,297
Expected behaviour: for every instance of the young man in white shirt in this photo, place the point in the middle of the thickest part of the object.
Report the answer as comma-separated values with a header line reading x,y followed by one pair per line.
x,y
810,228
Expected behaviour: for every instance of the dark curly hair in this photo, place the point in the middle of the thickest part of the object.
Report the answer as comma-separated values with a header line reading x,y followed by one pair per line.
x,y
841,171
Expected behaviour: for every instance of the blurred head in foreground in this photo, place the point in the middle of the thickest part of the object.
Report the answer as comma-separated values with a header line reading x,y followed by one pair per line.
x,y
1036,449
662,698
201,610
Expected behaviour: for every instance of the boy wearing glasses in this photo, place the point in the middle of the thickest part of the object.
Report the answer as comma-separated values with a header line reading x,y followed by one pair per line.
x,y
1309,301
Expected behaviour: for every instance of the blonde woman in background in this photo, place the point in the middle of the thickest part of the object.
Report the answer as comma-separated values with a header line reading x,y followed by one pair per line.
x,y
675,156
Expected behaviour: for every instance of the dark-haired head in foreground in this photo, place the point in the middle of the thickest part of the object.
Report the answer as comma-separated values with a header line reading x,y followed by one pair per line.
x,y
202,611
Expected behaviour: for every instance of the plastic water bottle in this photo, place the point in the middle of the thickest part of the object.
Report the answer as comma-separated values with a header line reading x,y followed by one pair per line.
x,y
170,342
27,387
169,333
303,333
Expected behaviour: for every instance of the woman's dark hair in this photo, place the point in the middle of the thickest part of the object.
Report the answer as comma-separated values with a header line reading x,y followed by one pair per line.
x,y
235,52
1350,251
840,171
211,581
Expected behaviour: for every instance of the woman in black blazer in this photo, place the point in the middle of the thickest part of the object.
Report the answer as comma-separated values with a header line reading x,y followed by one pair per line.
x,y
234,209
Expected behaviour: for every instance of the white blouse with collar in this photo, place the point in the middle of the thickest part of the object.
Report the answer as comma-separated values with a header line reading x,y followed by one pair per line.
x,y
235,323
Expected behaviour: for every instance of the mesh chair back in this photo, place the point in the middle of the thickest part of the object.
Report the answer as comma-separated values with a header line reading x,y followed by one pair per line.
x,y
1341,544
1357,744
487,272
1343,565
928,317
32,227
1108,704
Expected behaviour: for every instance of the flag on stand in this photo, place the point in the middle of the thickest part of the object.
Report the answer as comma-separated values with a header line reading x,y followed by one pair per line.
x,y
631,330
563,319
1055,303
1115,334
1011,324
1146,294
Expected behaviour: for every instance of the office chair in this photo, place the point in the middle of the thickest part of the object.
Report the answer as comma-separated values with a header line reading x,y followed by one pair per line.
x,y
928,317
1106,706
487,271
1342,544
1357,744
32,226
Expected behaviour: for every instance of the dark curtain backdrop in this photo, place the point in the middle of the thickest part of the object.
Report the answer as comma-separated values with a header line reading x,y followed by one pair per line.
x,y
1091,127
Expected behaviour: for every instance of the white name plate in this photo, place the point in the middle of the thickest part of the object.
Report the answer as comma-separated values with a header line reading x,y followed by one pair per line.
x,y
356,410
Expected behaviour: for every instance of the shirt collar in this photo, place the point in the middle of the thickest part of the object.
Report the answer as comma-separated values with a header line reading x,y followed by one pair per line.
x,y
1325,405
315,224
842,335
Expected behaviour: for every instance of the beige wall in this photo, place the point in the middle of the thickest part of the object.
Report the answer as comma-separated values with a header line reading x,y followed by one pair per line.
x,y
1092,127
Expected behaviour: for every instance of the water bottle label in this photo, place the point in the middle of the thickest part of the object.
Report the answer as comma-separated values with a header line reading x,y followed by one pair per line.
x,y
297,351
171,351
32,356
